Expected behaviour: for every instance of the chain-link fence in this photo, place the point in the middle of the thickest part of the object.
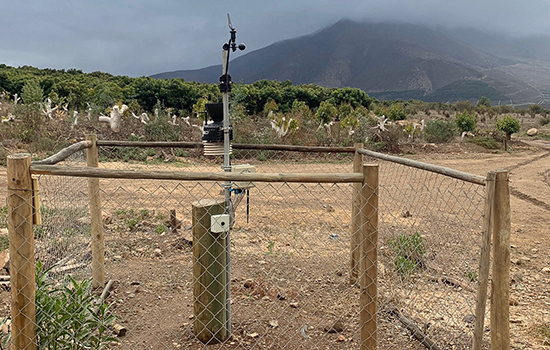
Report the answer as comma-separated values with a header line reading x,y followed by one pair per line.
x,y
171,284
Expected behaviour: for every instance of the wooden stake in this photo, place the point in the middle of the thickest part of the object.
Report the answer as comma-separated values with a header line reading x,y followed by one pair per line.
x,y
22,264
173,221
484,263
36,216
368,258
209,274
98,244
355,226
500,298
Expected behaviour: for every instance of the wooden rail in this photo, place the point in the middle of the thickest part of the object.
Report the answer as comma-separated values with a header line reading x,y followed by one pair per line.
x,y
161,144
194,176
476,179
65,153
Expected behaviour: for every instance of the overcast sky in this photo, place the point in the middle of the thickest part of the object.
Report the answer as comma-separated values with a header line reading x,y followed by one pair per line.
x,y
138,37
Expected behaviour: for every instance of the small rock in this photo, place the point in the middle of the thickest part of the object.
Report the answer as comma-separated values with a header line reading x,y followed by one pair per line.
x,y
532,132
334,236
336,327
262,262
252,335
157,252
406,214
341,338
248,283
273,323
517,277
546,269
513,302
293,305
107,219
266,298
191,317
469,319
281,296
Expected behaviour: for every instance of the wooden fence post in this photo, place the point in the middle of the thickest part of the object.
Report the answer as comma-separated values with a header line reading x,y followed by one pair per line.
x,y
500,309
355,234
485,261
209,274
22,264
98,243
369,258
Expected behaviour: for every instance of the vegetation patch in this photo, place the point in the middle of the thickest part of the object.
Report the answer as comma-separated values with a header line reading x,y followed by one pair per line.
x,y
409,252
485,142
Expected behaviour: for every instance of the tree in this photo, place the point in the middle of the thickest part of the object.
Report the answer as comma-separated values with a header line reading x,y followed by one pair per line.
x,y
508,125
484,101
326,112
32,92
534,110
466,122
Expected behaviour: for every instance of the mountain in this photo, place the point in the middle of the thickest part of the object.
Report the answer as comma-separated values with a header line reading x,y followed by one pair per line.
x,y
398,60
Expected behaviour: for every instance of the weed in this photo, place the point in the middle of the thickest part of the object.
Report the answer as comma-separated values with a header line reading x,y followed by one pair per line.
x,y
178,152
542,331
4,242
4,216
161,229
39,232
270,247
471,275
131,223
409,252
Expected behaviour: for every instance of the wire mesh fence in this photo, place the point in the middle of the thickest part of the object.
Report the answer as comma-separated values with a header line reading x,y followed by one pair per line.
x,y
288,281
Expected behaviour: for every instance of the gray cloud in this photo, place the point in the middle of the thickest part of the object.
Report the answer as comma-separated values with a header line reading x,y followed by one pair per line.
x,y
145,37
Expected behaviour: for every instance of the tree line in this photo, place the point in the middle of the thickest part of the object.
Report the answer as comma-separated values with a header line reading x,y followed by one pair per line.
x,y
78,91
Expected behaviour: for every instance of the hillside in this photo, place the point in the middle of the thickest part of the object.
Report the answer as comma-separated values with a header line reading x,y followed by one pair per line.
x,y
397,60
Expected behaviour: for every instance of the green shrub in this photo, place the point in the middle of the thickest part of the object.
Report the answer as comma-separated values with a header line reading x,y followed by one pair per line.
x,y
542,122
466,122
508,125
70,317
397,112
409,252
439,131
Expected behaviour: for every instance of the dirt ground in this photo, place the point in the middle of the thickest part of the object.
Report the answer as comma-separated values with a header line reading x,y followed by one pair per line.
x,y
289,283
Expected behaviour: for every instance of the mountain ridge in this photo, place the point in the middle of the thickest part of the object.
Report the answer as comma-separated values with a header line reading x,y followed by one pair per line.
x,y
386,58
